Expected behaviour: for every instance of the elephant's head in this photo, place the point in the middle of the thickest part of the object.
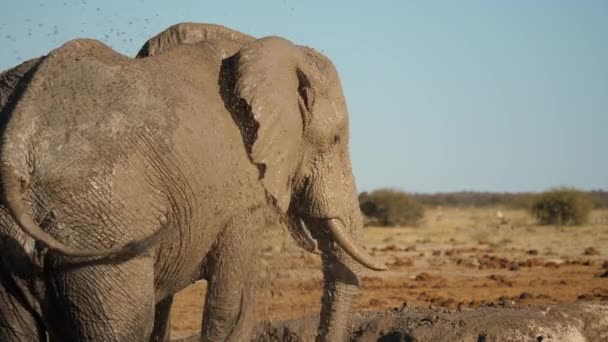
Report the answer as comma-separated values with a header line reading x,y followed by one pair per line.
x,y
289,104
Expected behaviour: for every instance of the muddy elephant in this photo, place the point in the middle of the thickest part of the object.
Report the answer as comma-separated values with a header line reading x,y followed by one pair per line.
x,y
126,179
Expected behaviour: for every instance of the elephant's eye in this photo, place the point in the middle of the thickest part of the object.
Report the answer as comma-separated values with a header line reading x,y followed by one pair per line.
x,y
336,139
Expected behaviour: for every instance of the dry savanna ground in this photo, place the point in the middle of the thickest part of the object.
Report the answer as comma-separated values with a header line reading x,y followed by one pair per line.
x,y
454,258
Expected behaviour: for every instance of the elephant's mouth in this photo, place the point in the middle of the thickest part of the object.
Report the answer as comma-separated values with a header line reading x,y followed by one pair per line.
x,y
335,228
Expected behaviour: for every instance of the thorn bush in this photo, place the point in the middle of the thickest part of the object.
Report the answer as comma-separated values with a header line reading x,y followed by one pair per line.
x,y
388,207
562,206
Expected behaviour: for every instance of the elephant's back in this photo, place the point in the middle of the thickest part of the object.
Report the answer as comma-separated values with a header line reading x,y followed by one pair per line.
x,y
84,111
91,114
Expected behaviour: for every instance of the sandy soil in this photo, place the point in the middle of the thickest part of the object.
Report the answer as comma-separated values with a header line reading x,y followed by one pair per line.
x,y
457,258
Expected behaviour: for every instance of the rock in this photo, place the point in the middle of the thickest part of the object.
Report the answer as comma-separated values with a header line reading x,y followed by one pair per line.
x,y
591,251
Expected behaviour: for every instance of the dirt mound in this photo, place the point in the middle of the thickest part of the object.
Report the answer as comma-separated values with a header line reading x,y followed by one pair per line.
x,y
582,321
573,322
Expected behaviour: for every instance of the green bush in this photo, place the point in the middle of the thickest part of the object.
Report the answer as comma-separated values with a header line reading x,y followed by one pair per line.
x,y
387,207
563,206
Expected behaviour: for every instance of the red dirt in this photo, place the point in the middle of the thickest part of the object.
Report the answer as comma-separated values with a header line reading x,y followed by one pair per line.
x,y
456,272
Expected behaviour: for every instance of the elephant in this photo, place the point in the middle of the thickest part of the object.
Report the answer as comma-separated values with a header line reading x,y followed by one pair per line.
x,y
126,179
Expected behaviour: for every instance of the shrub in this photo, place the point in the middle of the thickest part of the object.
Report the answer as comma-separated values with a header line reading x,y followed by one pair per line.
x,y
563,206
387,207
599,198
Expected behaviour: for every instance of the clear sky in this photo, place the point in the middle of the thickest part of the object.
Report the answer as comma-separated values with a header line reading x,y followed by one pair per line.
x,y
443,95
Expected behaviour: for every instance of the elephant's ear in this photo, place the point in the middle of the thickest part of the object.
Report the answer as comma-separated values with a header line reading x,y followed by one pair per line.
x,y
271,80
189,33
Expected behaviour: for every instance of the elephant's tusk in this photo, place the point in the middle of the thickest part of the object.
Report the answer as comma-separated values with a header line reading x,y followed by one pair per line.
x,y
351,248
310,242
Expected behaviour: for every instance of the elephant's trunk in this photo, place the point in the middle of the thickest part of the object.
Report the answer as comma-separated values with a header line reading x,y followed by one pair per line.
x,y
327,201
341,269
336,222
340,294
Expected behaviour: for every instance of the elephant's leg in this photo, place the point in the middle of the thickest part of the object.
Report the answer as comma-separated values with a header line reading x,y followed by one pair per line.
x,y
105,302
228,314
18,321
161,331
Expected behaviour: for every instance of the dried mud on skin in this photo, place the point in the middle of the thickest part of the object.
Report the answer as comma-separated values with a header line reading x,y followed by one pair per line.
x,y
582,321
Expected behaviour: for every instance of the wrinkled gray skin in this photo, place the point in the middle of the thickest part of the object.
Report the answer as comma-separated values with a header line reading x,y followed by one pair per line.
x,y
125,180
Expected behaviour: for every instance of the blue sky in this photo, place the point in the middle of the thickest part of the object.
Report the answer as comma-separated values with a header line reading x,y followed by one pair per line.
x,y
443,95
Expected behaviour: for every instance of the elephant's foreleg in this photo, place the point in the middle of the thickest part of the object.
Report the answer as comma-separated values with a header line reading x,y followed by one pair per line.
x,y
162,331
102,303
18,321
228,314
